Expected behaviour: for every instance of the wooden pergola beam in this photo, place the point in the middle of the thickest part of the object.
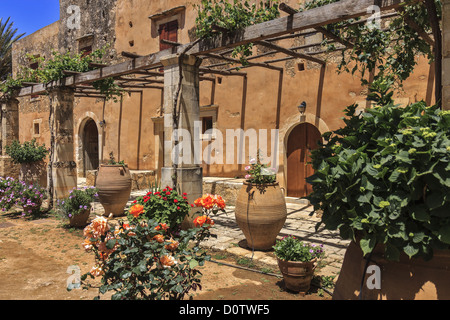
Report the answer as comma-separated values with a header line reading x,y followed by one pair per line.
x,y
290,52
321,16
251,64
286,8
222,72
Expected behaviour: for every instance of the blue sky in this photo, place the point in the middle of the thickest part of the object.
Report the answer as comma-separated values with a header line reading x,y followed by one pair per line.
x,y
30,15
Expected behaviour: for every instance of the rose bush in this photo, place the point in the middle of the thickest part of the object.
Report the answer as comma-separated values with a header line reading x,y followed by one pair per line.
x,y
163,205
145,258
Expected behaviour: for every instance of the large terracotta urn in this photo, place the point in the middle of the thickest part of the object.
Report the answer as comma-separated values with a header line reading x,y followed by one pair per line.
x,y
260,214
114,188
407,279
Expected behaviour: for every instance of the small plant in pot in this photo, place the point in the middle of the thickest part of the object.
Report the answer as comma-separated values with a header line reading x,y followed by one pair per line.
x,y
30,155
77,206
297,261
260,206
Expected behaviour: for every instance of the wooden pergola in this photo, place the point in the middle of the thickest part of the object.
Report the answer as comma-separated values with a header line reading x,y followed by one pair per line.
x,y
142,72
139,71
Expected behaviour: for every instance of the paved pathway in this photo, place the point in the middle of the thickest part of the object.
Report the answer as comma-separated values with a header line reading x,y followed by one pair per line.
x,y
298,223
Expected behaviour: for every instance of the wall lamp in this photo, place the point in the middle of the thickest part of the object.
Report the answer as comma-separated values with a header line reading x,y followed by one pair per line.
x,y
102,123
302,108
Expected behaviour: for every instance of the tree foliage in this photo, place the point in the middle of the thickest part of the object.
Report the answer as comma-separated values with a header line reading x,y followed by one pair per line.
x,y
8,35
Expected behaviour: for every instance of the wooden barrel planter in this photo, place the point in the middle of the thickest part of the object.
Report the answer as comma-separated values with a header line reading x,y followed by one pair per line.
x,y
407,279
114,188
260,213
80,220
297,275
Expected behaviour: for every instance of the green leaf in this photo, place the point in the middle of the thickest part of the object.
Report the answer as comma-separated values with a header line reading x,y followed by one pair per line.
x,y
193,263
392,253
420,213
367,245
444,234
410,250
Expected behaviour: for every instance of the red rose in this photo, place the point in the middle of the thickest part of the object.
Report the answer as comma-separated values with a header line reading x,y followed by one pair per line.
x,y
175,200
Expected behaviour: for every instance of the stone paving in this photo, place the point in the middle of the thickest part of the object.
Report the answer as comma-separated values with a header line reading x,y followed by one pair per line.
x,y
298,223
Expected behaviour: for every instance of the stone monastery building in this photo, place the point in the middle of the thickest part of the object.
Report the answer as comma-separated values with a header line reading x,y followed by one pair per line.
x,y
261,101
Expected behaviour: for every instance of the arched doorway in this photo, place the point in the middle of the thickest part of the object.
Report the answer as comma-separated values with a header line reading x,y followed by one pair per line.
x,y
90,146
302,139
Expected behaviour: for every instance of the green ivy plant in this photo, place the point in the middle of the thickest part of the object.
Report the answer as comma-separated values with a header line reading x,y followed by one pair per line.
x,y
384,178
389,52
233,17
52,69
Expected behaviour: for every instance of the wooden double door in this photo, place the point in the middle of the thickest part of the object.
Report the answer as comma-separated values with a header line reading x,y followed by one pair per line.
x,y
90,146
303,138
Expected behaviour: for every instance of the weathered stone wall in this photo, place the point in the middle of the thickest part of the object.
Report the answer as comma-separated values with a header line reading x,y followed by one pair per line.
x,y
446,55
263,100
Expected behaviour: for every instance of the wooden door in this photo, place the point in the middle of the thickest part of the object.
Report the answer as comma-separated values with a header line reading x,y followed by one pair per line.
x,y
90,144
301,141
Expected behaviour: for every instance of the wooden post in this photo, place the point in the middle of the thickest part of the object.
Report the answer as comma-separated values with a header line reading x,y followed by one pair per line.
x,y
446,55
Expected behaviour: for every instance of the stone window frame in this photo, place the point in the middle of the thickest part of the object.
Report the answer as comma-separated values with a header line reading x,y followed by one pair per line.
x,y
173,14
209,111
39,123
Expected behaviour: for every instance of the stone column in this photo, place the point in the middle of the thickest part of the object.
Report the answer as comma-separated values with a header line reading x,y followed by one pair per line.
x,y
9,133
189,173
446,55
62,169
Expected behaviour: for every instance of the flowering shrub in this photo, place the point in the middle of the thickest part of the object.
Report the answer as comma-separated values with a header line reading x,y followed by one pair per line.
x,y
78,201
291,248
165,206
141,259
18,193
209,204
259,173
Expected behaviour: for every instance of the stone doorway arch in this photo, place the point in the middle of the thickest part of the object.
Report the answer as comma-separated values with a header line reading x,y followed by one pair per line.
x,y
89,145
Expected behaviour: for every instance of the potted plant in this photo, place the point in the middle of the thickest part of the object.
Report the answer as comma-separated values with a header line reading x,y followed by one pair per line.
x,y
297,261
383,180
77,206
114,186
30,155
30,198
260,206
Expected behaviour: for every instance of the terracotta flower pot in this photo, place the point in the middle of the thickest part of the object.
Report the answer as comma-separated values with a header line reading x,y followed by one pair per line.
x,y
260,214
407,279
80,220
297,275
114,188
